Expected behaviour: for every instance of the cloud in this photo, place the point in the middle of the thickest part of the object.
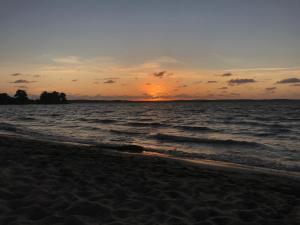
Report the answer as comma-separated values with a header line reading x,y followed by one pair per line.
x,y
22,74
111,78
289,81
223,88
107,78
160,74
109,81
16,74
21,81
226,74
212,81
270,88
240,81
182,86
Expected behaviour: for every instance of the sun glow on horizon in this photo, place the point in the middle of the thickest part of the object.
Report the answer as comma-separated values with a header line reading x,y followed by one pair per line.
x,y
155,90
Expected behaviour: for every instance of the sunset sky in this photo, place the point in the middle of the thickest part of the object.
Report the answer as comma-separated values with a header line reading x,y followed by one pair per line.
x,y
151,50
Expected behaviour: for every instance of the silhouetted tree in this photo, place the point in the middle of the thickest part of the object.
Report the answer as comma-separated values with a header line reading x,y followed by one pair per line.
x,y
53,98
6,99
63,97
21,96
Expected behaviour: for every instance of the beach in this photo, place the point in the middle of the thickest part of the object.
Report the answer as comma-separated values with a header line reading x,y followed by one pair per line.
x,y
45,183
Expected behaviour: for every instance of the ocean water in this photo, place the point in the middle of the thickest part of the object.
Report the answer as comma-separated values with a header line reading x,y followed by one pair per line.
x,y
253,133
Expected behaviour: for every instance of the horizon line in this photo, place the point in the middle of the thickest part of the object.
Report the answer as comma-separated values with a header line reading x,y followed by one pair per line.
x,y
178,100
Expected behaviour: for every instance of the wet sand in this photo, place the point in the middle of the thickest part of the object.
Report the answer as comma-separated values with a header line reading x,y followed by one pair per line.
x,y
49,183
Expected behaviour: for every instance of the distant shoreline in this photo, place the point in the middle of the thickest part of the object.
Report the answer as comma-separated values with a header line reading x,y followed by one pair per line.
x,y
192,100
78,101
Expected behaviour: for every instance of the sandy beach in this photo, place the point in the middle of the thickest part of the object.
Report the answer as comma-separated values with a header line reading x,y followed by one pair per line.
x,y
45,183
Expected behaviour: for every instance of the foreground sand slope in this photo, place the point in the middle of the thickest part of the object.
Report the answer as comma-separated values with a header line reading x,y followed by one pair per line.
x,y
46,183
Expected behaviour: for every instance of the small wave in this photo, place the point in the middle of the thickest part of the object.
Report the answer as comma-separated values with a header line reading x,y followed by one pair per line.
x,y
182,139
127,132
51,114
259,124
262,118
26,118
279,130
142,124
105,121
145,119
55,115
108,111
261,134
249,123
8,127
92,128
195,128
197,110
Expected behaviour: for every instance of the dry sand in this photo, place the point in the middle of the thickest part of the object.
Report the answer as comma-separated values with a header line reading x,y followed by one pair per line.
x,y
46,183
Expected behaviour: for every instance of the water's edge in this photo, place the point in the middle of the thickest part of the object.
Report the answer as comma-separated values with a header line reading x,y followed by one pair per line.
x,y
138,150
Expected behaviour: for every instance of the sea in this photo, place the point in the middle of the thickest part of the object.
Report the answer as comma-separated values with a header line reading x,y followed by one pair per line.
x,y
261,134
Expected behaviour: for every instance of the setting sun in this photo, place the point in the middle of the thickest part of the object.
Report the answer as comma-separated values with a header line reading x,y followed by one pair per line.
x,y
155,90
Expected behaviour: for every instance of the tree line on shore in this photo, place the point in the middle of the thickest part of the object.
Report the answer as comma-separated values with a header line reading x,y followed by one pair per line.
x,y
21,97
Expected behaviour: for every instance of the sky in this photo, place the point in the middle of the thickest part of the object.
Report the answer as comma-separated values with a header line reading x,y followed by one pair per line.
x,y
151,50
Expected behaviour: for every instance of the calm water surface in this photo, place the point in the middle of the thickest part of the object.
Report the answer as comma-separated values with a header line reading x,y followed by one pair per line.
x,y
259,133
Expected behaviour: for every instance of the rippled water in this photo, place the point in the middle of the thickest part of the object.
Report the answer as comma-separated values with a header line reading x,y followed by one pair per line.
x,y
255,133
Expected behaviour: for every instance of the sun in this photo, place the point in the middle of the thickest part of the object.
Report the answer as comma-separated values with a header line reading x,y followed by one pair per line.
x,y
155,91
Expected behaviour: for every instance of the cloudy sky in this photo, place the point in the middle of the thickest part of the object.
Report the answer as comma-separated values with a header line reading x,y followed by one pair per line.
x,y
152,50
